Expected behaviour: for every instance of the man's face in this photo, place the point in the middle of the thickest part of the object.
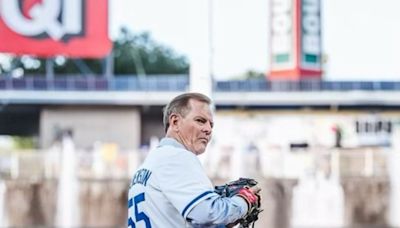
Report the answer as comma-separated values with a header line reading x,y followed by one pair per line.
x,y
195,128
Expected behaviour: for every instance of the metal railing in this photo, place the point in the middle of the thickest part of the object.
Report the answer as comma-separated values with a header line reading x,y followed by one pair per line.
x,y
92,83
181,83
259,85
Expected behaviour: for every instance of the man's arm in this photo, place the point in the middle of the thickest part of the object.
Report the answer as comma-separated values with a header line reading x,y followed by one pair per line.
x,y
218,210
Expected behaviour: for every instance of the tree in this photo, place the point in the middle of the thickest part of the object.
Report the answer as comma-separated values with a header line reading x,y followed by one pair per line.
x,y
134,54
141,54
250,74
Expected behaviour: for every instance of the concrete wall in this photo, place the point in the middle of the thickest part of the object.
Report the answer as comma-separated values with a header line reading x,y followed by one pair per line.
x,y
120,125
103,202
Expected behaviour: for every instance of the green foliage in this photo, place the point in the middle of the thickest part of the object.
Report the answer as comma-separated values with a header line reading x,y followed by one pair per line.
x,y
251,74
140,54
133,54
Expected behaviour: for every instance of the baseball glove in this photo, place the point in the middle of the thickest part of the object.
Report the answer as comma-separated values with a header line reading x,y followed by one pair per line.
x,y
241,187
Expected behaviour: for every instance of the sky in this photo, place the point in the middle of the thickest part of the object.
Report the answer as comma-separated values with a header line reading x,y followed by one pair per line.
x,y
360,38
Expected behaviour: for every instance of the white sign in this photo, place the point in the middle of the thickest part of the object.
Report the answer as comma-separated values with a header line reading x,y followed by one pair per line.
x,y
44,18
282,33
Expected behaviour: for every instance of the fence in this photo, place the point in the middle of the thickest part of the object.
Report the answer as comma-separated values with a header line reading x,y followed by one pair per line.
x,y
181,82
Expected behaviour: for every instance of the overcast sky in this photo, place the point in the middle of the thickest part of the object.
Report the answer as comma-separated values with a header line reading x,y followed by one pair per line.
x,y
361,38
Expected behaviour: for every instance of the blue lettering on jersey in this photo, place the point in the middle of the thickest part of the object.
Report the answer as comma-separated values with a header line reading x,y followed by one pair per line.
x,y
141,177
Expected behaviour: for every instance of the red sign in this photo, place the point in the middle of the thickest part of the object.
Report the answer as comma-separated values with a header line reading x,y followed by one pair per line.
x,y
74,28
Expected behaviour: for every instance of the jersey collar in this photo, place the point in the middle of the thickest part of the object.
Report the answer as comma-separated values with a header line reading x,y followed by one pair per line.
x,y
170,142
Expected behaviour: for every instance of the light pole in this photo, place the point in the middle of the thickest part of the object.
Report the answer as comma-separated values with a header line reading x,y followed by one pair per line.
x,y
211,41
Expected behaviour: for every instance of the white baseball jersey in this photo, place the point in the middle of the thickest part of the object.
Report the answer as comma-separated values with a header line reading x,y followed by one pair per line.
x,y
165,188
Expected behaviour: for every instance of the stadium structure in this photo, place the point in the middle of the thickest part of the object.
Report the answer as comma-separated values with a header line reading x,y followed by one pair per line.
x,y
38,106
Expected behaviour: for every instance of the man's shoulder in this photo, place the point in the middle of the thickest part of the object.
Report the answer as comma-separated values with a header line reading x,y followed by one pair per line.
x,y
169,156
171,151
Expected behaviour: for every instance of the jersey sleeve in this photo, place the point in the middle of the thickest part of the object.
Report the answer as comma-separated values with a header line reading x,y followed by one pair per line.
x,y
184,182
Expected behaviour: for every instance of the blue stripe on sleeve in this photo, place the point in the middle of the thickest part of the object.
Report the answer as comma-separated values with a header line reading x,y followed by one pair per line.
x,y
194,201
130,203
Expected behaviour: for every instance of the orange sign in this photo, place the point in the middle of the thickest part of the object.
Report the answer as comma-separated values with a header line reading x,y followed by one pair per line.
x,y
45,28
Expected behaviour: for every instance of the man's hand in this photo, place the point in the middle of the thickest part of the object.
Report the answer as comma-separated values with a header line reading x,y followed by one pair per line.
x,y
250,195
249,191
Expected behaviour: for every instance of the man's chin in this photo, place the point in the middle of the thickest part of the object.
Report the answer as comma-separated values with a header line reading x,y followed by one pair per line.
x,y
201,151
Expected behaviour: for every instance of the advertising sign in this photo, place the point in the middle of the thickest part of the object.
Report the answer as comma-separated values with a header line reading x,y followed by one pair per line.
x,y
45,28
311,35
282,36
295,40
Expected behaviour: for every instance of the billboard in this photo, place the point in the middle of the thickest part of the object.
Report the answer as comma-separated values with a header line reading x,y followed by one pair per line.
x,y
282,38
45,28
295,39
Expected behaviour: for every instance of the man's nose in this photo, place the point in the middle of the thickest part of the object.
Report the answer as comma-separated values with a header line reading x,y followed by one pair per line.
x,y
207,128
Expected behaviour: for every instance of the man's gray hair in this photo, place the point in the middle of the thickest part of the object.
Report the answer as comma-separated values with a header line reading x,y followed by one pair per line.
x,y
179,105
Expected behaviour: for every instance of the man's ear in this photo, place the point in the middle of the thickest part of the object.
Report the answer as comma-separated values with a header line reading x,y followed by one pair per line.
x,y
173,121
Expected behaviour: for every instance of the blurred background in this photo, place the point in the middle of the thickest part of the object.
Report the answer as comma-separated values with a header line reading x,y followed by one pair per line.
x,y
306,95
